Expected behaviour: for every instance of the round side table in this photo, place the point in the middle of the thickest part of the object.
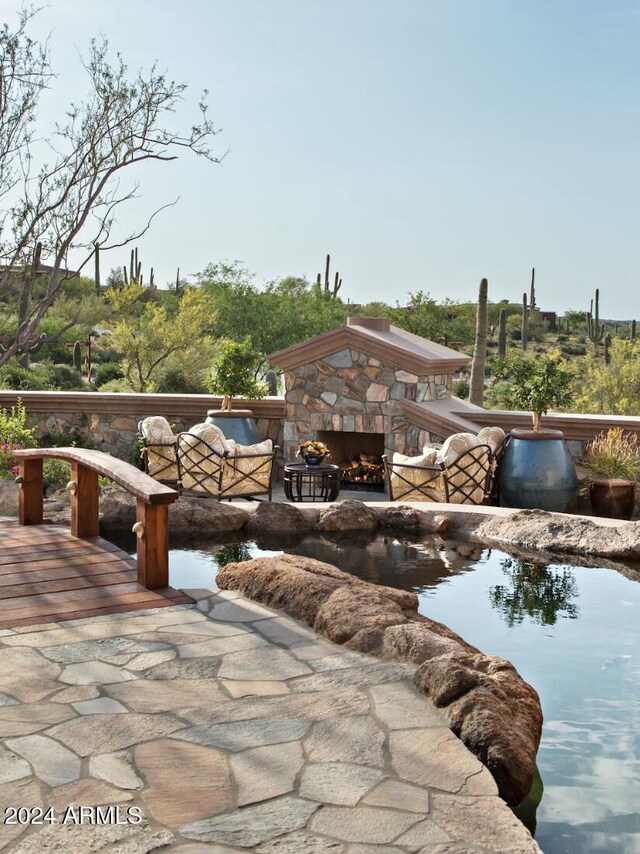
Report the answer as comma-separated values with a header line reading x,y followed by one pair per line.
x,y
311,483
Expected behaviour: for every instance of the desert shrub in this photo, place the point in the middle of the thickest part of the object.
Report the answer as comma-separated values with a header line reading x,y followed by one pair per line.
x,y
40,376
573,349
117,385
56,472
460,389
14,435
106,372
179,381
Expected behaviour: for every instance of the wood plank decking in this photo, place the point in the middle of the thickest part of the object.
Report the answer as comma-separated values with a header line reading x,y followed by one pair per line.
x,y
47,575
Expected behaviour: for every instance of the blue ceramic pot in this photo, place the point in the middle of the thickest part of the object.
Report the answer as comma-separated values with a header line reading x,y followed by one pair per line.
x,y
236,424
313,459
537,471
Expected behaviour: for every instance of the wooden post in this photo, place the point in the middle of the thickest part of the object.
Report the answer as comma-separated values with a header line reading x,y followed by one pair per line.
x,y
31,492
84,501
153,545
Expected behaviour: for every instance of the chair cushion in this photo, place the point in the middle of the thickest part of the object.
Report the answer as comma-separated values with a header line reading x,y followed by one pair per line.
x,y
161,455
200,469
411,474
156,428
455,445
491,436
245,476
213,436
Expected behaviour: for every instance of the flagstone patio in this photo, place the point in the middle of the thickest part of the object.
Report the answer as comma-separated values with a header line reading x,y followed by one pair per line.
x,y
228,727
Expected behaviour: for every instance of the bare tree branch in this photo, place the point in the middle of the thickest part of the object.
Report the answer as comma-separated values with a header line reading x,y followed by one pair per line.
x,y
71,203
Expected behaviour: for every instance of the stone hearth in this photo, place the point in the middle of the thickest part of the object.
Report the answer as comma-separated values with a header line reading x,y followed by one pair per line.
x,y
355,379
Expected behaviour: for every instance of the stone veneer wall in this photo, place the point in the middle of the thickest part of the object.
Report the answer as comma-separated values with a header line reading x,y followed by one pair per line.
x,y
109,422
352,392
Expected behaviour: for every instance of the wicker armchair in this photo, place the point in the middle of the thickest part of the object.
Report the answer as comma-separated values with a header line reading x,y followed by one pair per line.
x,y
209,464
461,472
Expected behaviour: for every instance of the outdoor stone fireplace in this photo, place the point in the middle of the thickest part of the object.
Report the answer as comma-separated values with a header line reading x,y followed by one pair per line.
x,y
347,388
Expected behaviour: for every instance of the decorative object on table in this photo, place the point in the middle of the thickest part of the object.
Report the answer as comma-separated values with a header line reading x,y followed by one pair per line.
x,y
613,464
233,374
313,452
537,470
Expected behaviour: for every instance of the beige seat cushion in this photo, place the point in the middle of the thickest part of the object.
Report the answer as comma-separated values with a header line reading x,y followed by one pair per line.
x,y
455,445
200,468
411,473
491,436
248,470
161,455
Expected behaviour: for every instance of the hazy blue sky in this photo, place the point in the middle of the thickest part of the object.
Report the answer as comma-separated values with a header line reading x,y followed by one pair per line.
x,y
423,144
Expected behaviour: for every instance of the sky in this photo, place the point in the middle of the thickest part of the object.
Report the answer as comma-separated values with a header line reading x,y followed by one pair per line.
x,y
425,144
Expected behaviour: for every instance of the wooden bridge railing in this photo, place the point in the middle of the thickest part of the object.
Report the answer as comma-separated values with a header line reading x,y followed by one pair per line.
x,y
152,510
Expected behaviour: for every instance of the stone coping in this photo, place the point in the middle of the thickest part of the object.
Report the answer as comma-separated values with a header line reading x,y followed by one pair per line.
x,y
226,726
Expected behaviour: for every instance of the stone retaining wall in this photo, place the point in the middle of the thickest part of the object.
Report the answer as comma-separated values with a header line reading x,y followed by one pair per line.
x,y
109,422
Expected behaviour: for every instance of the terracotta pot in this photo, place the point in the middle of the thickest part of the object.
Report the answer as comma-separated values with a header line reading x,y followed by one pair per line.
x,y
614,498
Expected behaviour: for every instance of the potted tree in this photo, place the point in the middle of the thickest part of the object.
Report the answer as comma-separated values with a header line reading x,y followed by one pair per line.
x,y
613,464
233,374
537,470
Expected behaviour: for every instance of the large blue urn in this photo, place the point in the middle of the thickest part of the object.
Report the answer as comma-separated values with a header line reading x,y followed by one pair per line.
x,y
236,424
537,471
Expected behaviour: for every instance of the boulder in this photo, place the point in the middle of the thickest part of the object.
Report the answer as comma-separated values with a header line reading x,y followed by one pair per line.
x,y
492,710
347,515
273,517
354,608
188,516
561,533
9,491
403,518
419,641
204,517
297,585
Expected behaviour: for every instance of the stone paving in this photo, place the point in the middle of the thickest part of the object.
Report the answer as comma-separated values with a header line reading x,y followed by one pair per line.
x,y
224,726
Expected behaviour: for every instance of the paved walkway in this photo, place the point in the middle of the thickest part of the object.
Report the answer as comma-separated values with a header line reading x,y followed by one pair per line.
x,y
222,727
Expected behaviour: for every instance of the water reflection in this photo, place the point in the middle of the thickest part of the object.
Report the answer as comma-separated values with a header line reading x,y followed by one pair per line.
x,y
542,593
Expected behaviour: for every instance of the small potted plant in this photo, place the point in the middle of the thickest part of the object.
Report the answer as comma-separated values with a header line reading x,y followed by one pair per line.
x,y
537,470
313,452
613,464
233,374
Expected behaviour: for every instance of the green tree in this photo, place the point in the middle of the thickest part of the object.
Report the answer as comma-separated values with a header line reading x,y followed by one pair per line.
x,y
233,372
612,389
290,310
535,383
148,333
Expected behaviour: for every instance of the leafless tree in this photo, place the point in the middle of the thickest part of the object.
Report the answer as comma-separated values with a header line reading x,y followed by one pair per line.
x,y
60,192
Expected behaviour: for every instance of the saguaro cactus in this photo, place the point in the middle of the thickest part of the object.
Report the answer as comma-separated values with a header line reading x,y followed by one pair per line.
x,y
595,329
525,322
77,357
502,333
330,293
532,296
632,334
476,383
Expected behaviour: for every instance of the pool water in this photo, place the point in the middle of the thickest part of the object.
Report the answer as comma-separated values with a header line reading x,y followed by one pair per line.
x,y
572,632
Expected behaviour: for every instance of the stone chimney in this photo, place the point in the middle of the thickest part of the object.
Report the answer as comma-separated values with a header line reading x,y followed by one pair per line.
x,y
378,324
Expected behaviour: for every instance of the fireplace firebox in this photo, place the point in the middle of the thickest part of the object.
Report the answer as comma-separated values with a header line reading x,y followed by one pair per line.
x,y
359,456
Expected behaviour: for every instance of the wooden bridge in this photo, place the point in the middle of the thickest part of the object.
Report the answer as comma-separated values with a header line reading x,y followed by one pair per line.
x,y
48,574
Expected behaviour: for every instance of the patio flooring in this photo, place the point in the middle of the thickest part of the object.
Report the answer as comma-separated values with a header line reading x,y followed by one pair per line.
x,y
224,726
